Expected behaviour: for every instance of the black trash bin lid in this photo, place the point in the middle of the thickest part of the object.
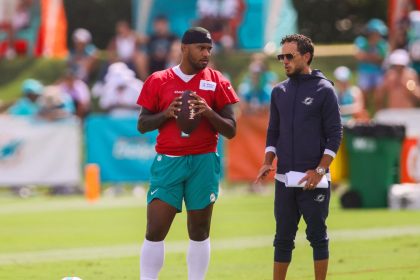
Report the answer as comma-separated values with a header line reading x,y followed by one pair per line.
x,y
376,130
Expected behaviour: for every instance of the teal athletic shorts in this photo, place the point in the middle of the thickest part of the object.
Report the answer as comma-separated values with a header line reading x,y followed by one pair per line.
x,y
192,178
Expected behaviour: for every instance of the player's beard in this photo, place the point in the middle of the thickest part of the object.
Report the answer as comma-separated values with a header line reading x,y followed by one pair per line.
x,y
197,65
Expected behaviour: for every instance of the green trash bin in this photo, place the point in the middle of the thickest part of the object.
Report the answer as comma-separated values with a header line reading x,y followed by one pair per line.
x,y
374,158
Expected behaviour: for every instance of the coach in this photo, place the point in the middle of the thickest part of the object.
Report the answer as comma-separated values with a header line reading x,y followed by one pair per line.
x,y
304,131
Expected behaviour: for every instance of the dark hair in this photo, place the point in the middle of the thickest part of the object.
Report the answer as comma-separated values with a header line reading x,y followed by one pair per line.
x,y
304,44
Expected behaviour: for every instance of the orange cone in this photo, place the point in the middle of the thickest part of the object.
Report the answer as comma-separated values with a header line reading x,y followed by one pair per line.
x,y
92,182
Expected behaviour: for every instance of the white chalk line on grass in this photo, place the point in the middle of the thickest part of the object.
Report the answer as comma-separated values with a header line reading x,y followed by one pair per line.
x,y
70,204
130,250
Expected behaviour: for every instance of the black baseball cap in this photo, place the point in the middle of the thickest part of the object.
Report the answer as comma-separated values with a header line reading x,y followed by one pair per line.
x,y
196,35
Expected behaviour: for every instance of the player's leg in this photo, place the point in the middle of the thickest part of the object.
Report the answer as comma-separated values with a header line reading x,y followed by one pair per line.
x,y
164,201
198,256
287,219
159,219
314,206
201,191
199,223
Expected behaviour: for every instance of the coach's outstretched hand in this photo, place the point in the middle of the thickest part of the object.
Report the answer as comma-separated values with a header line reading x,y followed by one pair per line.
x,y
264,171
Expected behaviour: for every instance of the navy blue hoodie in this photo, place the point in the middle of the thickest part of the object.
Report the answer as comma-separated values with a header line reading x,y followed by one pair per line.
x,y
304,121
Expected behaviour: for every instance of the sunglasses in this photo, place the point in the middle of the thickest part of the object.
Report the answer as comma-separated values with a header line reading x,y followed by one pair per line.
x,y
289,56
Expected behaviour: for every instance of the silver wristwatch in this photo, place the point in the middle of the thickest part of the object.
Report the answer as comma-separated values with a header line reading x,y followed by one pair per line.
x,y
320,170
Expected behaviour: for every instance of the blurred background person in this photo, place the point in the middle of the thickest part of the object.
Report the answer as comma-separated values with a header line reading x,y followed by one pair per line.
x,y
55,104
350,97
120,92
159,44
371,50
256,86
19,22
175,55
3,106
83,54
399,24
222,18
399,38
28,104
414,40
77,90
126,46
22,16
400,87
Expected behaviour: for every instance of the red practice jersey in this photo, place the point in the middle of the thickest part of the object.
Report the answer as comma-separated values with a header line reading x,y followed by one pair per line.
x,y
163,86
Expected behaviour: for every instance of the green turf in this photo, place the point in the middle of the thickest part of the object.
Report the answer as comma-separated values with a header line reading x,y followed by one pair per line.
x,y
48,238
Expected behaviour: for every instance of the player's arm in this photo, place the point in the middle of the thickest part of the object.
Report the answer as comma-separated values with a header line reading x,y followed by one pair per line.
x,y
149,121
223,121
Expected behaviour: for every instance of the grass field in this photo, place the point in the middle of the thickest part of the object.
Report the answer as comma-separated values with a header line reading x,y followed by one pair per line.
x,y
44,238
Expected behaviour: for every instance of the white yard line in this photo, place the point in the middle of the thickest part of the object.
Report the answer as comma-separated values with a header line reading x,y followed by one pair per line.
x,y
130,250
70,204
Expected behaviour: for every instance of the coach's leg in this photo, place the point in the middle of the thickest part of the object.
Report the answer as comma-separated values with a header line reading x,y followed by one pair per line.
x,y
159,219
314,206
321,268
198,256
280,270
287,219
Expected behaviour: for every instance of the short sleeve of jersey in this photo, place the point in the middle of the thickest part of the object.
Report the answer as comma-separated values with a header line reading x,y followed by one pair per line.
x,y
225,94
149,95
